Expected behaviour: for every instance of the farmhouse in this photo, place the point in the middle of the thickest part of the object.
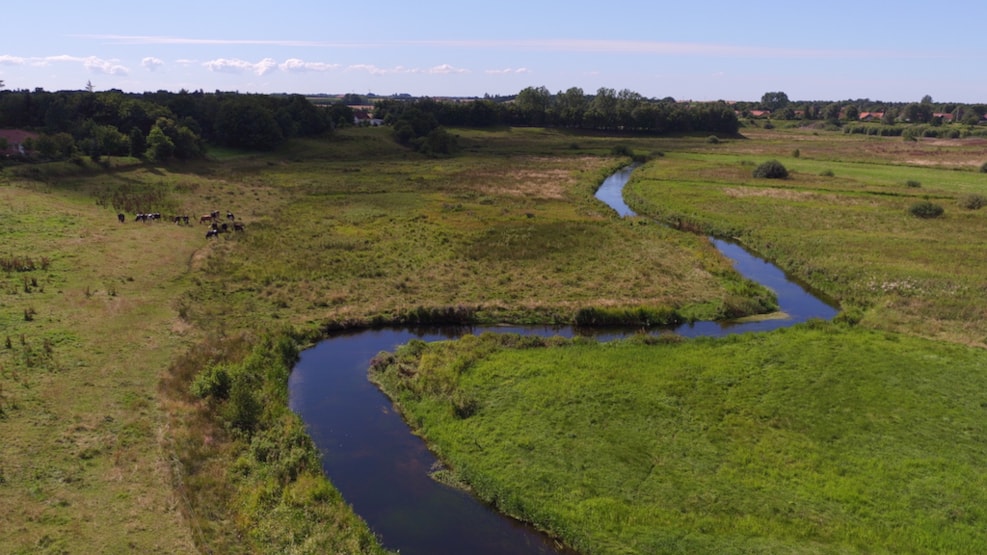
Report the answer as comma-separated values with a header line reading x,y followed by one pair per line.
x,y
12,141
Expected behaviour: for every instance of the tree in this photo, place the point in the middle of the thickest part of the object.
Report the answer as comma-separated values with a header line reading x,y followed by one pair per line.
x,y
774,100
245,122
832,112
852,113
772,169
602,111
571,105
917,113
532,104
159,146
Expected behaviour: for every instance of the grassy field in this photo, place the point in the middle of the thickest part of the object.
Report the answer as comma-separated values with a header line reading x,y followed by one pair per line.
x,y
844,226
88,327
107,324
827,438
815,439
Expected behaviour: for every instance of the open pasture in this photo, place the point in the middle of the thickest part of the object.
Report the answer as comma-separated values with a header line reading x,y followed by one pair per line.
x,y
845,226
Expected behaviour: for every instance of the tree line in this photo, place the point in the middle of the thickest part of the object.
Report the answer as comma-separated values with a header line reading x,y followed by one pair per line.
x,y
606,110
160,125
923,111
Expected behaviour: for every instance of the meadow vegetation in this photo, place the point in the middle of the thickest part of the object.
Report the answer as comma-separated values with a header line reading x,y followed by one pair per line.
x,y
852,436
813,439
107,325
142,376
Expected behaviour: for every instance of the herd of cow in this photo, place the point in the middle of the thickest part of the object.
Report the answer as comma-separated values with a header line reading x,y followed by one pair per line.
x,y
212,219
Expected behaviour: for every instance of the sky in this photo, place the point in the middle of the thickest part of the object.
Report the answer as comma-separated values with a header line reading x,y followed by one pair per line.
x,y
689,50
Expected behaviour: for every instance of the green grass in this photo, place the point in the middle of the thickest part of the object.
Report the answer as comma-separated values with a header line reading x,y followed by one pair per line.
x,y
105,450
850,235
818,439
509,230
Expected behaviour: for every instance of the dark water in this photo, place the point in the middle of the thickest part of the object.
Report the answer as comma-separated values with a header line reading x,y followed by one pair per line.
x,y
381,468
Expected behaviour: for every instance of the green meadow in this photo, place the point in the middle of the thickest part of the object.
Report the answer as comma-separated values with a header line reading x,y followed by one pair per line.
x,y
815,439
143,402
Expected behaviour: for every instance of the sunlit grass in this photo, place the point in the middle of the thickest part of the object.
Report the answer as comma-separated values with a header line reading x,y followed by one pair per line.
x,y
849,234
815,439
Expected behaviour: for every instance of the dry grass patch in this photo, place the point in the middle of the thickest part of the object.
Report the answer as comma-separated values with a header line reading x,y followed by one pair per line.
x,y
82,470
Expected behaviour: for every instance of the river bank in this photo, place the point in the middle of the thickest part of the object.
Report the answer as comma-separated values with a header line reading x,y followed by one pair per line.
x,y
383,469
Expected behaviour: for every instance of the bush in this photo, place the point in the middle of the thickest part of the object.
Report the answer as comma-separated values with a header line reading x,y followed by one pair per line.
x,y
772,169
713,140
973,202
912,183
983,168
827,173
926,209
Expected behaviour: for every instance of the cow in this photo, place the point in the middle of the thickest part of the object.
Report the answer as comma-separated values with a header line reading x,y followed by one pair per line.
x,y
237,226
212,233
229,216
224,228
121,217
205,218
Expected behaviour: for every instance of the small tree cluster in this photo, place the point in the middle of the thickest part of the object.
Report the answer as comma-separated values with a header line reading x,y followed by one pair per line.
x,y
973,202
772,169
926,209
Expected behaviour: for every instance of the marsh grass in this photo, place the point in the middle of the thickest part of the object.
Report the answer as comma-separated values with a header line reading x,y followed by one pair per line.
x,y
850,236
509,229
818,437
355,231
350,231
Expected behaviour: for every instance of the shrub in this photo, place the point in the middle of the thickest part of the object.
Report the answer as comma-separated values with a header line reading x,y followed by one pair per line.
x,y
713,140
925,209
983,167
973,202
827,173
912,183
771,169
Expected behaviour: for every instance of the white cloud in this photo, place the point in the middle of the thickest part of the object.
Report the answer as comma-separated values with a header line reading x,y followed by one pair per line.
x,y
235,65
507,71
446,69
12,60
374,70
92,63
265,66
296,65
108,67
151,63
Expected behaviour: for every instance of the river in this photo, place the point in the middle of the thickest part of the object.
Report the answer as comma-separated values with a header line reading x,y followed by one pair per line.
x,y
382,469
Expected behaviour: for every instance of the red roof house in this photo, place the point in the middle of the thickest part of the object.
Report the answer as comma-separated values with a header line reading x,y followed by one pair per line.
x,y
15,139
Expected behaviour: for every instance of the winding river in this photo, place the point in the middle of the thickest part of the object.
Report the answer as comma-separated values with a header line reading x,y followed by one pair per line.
x,y
382,469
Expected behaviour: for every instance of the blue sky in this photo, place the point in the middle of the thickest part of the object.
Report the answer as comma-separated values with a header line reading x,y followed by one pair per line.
x,y
700,50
